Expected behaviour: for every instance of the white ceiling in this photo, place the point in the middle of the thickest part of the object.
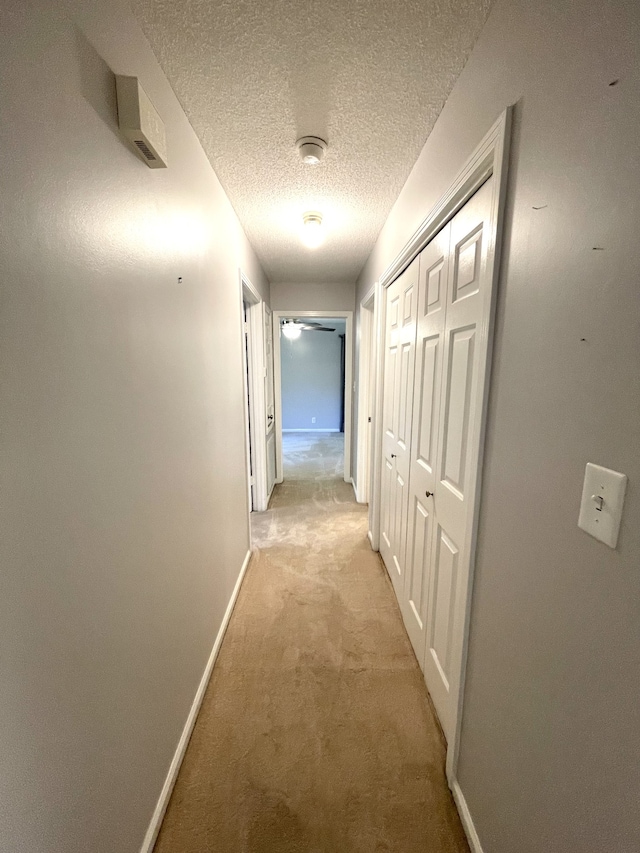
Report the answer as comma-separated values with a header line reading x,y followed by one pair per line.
x,y
369,76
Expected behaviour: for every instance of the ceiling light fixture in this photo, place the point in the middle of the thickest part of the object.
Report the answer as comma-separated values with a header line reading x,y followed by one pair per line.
x,y
291,330
312,235
311,149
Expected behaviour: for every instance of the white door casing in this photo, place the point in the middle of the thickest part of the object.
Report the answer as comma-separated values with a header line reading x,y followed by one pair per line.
x,y
249,425
402,297
366,397
253,378
278,315
379,325
269,397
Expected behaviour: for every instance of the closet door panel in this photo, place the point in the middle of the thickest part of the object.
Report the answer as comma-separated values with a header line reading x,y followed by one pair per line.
x,y
423,460
401,312
441,604
418,566
457,390
427,386
467,314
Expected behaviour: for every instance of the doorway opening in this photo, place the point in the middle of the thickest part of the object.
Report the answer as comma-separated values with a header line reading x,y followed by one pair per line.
x,y
313,373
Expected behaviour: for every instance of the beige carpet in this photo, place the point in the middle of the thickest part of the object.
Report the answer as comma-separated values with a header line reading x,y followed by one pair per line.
x,y
316,734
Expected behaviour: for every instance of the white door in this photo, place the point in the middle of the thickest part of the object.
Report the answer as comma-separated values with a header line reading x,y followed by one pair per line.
x,y
467,321
269,398
432,296
249,405
397,408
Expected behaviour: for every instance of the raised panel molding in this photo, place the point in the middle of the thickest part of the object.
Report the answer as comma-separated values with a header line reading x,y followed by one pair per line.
x,y
445,573
434,289
407,314
417,580
457,394
393,415
427,403
404,424
386,500
467,266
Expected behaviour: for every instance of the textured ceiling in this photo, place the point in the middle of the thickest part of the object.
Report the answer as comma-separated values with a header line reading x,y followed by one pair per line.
x,y
369,76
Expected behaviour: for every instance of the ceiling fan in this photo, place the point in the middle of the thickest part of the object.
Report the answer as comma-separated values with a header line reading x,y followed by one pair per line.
x,y
292,328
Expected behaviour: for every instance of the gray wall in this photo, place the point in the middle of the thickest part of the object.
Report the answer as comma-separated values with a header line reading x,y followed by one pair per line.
x,y
550,754
311,380
124,515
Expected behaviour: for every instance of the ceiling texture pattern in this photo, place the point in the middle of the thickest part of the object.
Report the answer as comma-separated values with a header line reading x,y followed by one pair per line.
x,y
369,76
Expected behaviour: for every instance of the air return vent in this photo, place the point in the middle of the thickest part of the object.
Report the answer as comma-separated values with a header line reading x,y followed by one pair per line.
x,y
140,122
145,150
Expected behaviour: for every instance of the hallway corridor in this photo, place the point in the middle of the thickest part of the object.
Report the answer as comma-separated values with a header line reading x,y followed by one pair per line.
x,y
316,734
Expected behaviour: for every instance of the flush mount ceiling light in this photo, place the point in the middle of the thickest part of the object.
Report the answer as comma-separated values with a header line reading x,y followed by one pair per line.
x,y
291,330
311,149
312,235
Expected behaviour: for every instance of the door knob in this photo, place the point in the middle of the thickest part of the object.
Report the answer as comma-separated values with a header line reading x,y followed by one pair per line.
x,y
428,494
393,455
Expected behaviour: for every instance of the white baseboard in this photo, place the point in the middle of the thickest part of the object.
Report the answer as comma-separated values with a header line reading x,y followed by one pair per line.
x,y
358,495
465,817
163,800
304,429
370,538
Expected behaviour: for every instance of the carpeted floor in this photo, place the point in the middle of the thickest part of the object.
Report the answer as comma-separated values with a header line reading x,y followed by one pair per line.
x,y
316,734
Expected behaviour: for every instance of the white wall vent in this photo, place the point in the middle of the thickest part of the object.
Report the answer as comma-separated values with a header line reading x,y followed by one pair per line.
x,y
140,122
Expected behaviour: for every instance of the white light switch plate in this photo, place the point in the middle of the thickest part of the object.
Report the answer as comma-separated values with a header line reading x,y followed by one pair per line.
x,y
605,488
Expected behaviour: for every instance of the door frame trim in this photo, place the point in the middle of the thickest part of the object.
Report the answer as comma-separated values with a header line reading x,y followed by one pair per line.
x,y
366,396
348,381
491,157
379,319
254,370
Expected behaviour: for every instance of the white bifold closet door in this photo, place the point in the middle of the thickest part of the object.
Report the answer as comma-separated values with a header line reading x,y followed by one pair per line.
x,y
400,343
427,541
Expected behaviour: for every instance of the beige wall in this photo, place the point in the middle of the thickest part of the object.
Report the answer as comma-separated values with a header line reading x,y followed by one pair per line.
x,y
550,755
312,297
124,510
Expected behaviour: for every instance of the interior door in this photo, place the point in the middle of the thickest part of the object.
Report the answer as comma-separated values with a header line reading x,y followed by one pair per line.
x,y
269,397
397,409
432,301
249,403
467,318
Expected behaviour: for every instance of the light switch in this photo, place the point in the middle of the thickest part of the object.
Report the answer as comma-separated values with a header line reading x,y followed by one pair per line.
x,y
602,501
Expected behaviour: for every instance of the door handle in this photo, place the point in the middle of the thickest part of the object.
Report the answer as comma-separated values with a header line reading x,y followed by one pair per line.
x,y
428,494
393,455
